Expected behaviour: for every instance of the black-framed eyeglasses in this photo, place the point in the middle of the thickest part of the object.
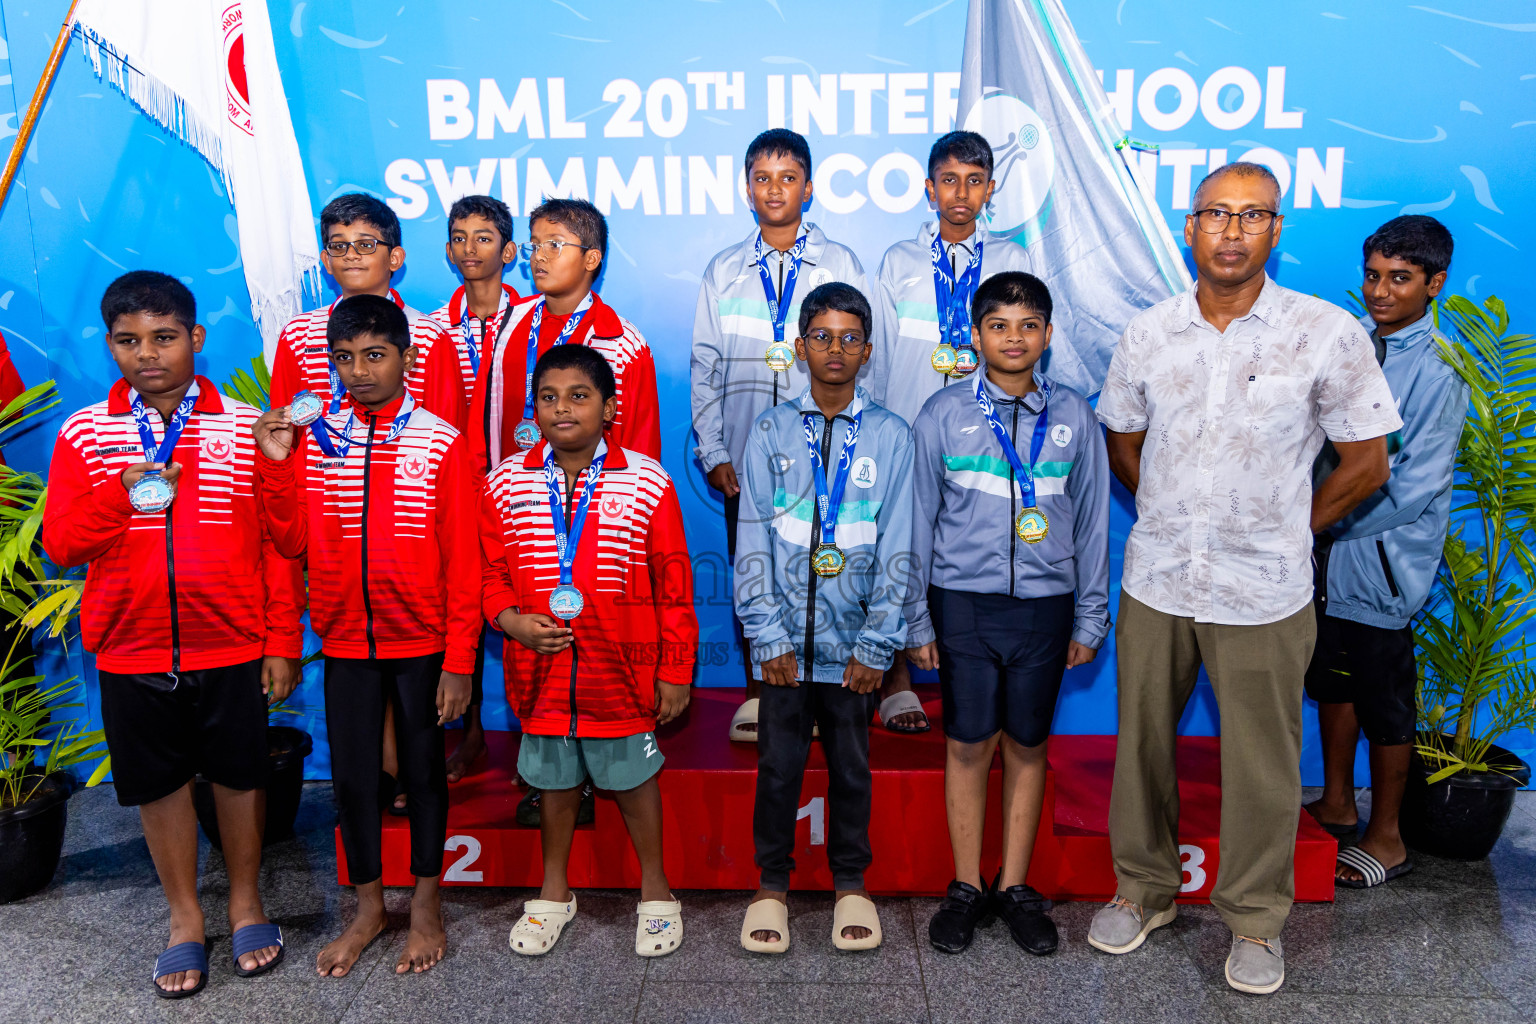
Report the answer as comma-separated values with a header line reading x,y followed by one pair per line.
x,y
554,247
1253,222
821,340
364,247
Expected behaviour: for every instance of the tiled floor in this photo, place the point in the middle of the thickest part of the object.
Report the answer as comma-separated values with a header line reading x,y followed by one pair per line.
x,y
1450,942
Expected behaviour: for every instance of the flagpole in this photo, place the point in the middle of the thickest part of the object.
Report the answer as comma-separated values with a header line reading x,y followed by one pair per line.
x,y
39,95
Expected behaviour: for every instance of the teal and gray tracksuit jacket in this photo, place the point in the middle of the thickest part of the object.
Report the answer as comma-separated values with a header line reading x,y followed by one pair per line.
x,y
859,612
1386,552
901,373
731,383
966,498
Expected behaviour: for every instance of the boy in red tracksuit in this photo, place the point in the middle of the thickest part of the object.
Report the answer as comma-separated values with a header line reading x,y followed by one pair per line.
x,y
568,242
189,610
588,576
360,248
379,497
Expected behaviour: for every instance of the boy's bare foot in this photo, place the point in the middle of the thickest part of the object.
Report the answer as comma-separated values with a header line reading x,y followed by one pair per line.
x,y
1326,814
336,959
239,918
853,931
1390,853
426,944
190,930
764,934
469,750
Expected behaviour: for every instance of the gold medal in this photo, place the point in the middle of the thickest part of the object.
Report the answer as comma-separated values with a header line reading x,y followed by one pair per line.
x,y
944,358
1032,525
780,357
966,362
828,560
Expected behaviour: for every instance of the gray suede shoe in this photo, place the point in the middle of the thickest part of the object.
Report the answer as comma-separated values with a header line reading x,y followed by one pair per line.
x,y
1255,966
1121,925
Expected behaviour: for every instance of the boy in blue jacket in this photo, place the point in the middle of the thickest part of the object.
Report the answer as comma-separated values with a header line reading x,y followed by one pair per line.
x,y
1011,545
826,488
1375,566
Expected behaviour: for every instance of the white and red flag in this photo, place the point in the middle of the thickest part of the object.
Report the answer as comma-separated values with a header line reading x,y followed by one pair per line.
x,y
206,71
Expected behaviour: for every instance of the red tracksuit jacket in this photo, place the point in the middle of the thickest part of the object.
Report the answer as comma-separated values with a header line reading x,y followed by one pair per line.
x,y
501,389
450,364
389,529
198,586
303,357
633,568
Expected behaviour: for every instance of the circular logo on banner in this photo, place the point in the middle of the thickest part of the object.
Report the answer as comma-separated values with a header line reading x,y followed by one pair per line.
x,y
1024,163
864,473
219,449
237,94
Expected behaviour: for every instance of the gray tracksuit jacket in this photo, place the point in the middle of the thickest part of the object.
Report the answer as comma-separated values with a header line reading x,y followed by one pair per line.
x,y
901,374
858,613
731,383
966,498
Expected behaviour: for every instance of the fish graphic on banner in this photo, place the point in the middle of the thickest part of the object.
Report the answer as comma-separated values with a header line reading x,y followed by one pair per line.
x,y
1063,188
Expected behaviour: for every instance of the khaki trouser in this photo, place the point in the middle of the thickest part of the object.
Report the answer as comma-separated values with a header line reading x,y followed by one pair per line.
x,y
1257,673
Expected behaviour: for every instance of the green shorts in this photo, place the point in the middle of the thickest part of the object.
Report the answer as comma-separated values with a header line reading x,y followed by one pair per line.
x,y
617,763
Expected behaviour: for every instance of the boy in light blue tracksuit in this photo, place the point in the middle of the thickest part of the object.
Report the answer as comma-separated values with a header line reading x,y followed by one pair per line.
x,y
735,333
1376,566
821,557
1010,541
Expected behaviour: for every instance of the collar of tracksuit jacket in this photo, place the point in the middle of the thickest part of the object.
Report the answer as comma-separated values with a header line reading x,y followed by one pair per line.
x,y
120,398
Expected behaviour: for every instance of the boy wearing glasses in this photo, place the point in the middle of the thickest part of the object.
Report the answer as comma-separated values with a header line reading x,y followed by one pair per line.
x,y
360,238
826,492
743,363
568,241
1011,544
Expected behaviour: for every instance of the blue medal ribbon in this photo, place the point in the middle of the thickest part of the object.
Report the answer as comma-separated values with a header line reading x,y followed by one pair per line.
x,y
778,306
566,542
1024,474
533,345
322,430
471,343
174,426
954,297
830,500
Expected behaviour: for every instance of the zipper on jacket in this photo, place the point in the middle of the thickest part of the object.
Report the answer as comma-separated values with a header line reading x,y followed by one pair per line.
x,y
810,562
780,294
570,515
1013,511
1386,568
170,578
373,649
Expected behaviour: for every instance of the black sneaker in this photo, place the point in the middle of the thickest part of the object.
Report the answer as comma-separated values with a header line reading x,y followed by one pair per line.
x,y
954,925
528,808
1024,911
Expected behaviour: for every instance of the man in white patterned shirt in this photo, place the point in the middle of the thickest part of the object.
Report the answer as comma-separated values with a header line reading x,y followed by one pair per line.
x,y
1217,403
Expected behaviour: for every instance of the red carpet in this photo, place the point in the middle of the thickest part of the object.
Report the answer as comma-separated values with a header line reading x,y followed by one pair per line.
x,y
707,789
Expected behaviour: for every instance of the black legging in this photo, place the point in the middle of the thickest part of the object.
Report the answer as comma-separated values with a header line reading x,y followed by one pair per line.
x,y
355,692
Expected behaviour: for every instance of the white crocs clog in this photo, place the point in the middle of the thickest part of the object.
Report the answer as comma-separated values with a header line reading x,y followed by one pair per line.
x,y
660,930
537,931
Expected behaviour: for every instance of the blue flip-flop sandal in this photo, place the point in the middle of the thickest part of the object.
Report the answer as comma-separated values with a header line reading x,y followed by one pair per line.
x,y
253,937
184,956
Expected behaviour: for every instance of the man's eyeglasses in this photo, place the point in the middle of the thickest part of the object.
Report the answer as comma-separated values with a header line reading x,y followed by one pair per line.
x,y
553,247
364,247
1253,222
821,340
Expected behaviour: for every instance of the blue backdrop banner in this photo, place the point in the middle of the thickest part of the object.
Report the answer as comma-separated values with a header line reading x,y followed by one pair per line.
x,y
1364,111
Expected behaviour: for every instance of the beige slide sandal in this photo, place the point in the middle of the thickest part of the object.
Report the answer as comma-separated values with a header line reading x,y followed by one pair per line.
x,y
766,916
745,715
854,911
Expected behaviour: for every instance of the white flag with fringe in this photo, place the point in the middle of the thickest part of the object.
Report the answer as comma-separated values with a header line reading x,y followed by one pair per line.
x,y
207,72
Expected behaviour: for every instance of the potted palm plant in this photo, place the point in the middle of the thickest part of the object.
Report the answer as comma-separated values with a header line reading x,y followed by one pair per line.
x,y
36,756
1476,682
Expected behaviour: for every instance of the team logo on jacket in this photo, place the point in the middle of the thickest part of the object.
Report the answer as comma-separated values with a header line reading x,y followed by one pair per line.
x,y
219,449
864,472
612,506
413,467
1061,434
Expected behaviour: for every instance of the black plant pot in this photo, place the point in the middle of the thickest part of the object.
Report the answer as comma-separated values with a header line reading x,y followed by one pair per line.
x,y
287,749
32,837
1461,817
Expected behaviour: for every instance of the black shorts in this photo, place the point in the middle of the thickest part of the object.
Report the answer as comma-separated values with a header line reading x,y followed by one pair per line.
x,y
1371,668
1001,660
163,729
